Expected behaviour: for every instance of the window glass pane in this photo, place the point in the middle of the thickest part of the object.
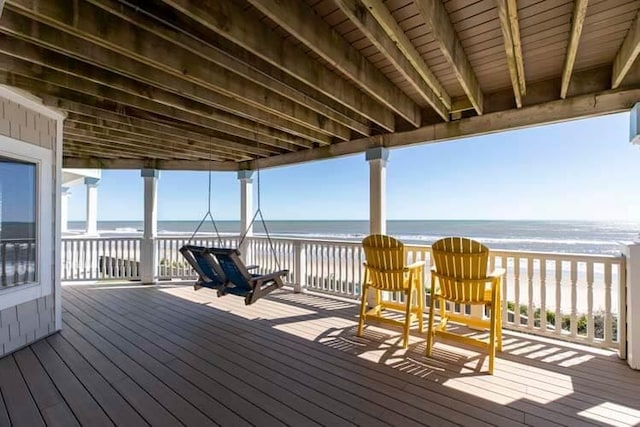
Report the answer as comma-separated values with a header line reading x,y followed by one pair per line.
x,y
17,223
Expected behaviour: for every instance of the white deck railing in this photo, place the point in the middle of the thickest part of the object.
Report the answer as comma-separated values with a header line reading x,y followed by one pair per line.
x,y
589,289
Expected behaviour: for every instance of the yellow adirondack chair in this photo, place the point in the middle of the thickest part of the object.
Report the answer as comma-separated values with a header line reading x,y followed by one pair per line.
x,y
459,275
385,270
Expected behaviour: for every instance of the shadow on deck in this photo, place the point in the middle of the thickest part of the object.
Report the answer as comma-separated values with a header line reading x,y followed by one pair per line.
x,y
166,355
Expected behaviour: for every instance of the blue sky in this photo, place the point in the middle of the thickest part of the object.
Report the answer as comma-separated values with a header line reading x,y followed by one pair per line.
x,y
584,169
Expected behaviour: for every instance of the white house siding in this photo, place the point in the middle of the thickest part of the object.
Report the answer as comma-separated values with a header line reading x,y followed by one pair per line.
x,y
31,320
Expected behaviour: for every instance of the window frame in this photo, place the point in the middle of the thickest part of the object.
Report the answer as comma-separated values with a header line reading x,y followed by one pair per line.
x,y
14,149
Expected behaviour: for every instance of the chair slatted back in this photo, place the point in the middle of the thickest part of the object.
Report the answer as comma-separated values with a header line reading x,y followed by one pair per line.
x,y
461,264
233,267
204,264
385,262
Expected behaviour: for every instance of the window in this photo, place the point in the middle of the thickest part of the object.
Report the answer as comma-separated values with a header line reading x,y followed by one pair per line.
x,y
18,209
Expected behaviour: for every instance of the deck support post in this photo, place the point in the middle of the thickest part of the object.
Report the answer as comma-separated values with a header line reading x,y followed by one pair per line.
x,y
630,338
148,249
92,205
300,267
64,209
377,158
246,213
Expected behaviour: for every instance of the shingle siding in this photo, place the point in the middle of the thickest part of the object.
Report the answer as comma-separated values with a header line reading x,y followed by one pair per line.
x,y
27,322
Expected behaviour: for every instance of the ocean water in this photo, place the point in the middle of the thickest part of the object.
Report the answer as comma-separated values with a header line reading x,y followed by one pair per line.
x,y
592,237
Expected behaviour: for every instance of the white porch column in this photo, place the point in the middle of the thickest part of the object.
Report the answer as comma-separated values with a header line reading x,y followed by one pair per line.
x,y
148,250
64,209
631,252
92,205
377,158
246,212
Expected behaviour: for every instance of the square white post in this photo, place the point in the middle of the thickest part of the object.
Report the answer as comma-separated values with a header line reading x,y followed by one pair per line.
x,y
300,266
631,251
148,250
377,158
64,209
92,205
246,212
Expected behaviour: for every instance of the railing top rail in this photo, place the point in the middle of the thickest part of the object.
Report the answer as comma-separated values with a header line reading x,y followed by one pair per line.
x,y
100,238
562,256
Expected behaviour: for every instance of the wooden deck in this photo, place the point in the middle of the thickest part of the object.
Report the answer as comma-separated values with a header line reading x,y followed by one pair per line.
x,y
136,355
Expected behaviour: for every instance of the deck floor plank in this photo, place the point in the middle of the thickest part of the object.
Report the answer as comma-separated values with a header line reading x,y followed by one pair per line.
x,y
174,400
525,406
154,413
53,407
222,414
239,370
84,407
367,396
21,407
105,395
167,355
4,415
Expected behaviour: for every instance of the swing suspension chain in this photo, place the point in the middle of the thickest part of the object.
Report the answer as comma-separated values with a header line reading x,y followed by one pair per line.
x,y
208,214
264,224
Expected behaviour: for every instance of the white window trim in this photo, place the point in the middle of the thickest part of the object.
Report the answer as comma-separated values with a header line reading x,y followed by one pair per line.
x,y
22,151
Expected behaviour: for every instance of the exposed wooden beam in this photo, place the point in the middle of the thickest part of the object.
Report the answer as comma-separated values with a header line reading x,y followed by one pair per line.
x,y
200,146
119,90
607,102
208,48
508,14
107,163
359,15
107,146
134,70
398,36
437,18
129,116
232,22
577,22
627,54
293,16
187,72
172,145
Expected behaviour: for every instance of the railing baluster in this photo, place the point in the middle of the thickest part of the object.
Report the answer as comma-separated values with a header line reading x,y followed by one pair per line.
x,y
608,317
516,284
574,299
543,294
558,317
530,309
590,323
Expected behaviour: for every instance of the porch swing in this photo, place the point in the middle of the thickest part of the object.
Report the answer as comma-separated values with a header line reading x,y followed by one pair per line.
x,y
222,269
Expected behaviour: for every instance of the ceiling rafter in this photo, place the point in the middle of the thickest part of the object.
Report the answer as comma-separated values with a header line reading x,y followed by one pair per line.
x,y
141,55
398,36
254,36
359,15
59,85
197,149
208,48
627,54
127,116
437,18
577,22
508,14
317,35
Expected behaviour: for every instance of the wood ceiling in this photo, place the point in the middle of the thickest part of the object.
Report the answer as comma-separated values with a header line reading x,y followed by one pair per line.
x,y
187,84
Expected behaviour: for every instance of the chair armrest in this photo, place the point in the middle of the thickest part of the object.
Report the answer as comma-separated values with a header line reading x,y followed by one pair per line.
x,y
415,265
252,267
497,272
271,275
